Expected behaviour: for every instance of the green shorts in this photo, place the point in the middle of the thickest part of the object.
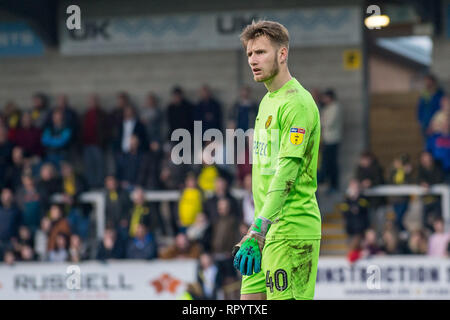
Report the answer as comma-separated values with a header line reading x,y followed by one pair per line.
x,y
288,270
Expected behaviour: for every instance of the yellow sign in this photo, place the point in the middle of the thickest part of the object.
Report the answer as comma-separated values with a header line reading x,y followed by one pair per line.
x,y
352,59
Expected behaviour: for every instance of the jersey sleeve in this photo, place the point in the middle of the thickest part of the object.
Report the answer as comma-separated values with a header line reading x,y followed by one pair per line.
x,y
297,120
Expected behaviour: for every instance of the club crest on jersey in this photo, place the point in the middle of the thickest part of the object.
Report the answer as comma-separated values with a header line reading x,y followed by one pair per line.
x,y
268,121
297,135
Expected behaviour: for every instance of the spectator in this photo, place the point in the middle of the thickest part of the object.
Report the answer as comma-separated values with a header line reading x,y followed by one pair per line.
x,y
332,123
27,136
94,137
77,249
401,173
41,239
142,245
59,225
140,213
70,117
48,184
27,254
73,186
207,177
390,245
429,173
116,115
24,239
369,173
129,164
30,203
355,252
5,155
39,110
200,232
14,172
244,110
60,252
180,113
130,126
57,138
440,121
182,248
110,247
9,258
208,110
439,240
355,210
117,202
152,119
417,243
209,277
10,218
248,205
370,244
190,203
244,167
428,103
12,115
221,191
150,168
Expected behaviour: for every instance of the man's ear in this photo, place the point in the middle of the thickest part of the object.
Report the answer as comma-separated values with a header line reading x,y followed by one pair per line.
x,y
283,55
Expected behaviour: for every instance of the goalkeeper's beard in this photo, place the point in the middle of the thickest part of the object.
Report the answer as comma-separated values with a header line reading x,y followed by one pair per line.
x,y
273,72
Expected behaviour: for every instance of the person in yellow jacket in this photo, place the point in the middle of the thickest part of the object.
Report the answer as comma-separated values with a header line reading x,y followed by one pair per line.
x,y
190,204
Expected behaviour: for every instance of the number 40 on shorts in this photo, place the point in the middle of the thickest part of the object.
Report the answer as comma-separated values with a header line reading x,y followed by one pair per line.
x,y
279,280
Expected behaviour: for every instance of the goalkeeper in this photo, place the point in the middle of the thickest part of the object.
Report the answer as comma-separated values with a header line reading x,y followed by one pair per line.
x,y
278,257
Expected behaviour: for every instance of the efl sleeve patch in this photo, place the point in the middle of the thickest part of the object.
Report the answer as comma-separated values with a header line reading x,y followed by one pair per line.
x,y
296,135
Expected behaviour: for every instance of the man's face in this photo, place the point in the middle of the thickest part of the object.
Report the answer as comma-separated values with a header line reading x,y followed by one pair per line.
x,y
262,58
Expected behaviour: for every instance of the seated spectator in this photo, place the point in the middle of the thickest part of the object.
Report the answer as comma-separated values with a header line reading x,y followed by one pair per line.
x,y
73,185
95,131
370,243
23,239
110,247
117,202
11,114
224,236
5,155
200,232
128,164
369,173
41,239
417,243
59,225
439,240
59,253
209,277
8,257
30,203
10,219
142,245
26,254
355,210
39,110
27,136
48,184
190,203
221,191
140,213
429,173
57,138
248,204
77,249
390,243
400,173
182,248
14,172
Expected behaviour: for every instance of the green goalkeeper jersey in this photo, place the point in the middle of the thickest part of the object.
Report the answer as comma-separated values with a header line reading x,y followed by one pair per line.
x,y
288,125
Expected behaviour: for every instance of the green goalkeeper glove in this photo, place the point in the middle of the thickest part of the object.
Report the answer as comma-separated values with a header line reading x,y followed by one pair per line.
x,y
247,253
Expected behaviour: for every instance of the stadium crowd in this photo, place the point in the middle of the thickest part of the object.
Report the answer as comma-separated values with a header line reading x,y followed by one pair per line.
x,y
124,150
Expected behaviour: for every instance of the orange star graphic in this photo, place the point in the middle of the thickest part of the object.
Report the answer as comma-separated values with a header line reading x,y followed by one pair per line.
x,y
165,282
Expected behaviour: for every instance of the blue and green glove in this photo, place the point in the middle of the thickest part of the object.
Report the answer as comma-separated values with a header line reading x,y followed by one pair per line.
x,y
247,253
